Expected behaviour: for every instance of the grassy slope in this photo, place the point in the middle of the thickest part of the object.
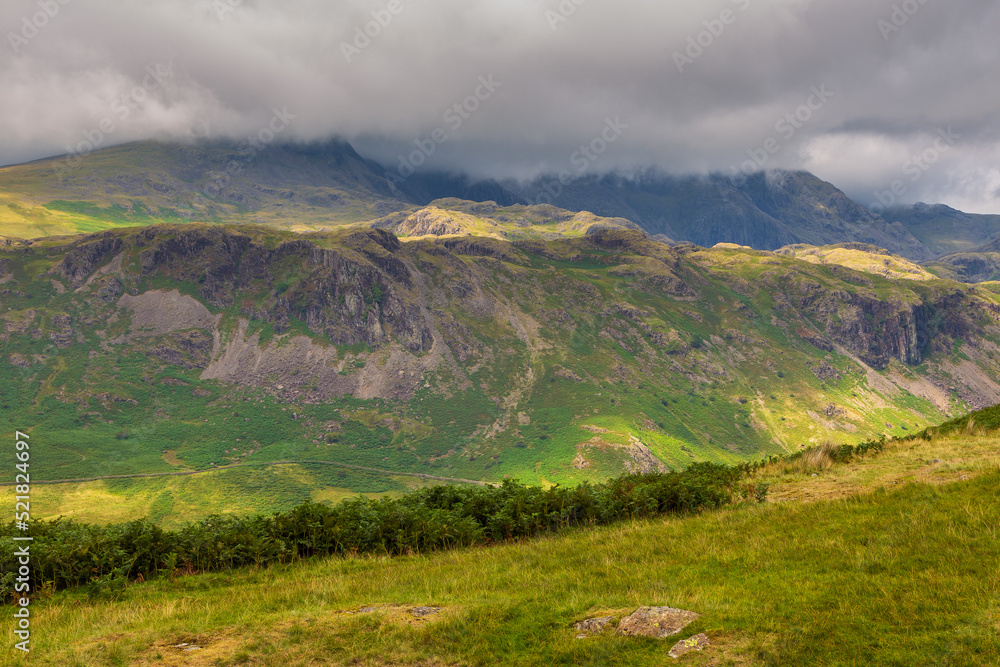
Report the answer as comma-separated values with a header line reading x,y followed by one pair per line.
x,y
860,258
726,399
148,182
901,575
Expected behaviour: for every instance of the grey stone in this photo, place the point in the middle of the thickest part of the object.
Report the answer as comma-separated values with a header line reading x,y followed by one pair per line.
x,y
592,625
658,622
695,643
420,612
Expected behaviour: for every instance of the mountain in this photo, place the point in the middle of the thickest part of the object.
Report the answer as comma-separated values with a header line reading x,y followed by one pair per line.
x,y
455,217
764,211
297,186
424,187
175,348
321,185
977,265
943,230
318,185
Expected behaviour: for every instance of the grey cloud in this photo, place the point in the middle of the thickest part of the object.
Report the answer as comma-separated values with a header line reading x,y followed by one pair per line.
x,y
235,62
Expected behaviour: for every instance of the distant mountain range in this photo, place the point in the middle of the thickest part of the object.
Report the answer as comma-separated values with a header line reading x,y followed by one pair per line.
x,y
318,186
170,348
308,306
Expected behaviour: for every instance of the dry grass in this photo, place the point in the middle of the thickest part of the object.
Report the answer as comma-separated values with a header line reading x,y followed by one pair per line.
x,y
941,459
813,460
842,582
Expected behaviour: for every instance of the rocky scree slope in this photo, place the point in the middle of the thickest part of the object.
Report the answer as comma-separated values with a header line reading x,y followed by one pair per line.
x,y
471,357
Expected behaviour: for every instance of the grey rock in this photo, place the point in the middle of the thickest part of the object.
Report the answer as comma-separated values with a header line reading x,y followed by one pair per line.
x,y
420,612
592,625
658,622
695,643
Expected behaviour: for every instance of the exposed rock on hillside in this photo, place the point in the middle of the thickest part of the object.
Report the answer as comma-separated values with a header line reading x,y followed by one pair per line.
x,y
565,359
656,622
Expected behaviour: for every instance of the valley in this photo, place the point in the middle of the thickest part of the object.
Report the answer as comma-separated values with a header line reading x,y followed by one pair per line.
x,y
564,354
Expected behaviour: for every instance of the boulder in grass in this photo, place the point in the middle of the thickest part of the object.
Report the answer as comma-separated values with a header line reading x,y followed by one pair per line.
x,y
658,622
420,612
695,643
592,626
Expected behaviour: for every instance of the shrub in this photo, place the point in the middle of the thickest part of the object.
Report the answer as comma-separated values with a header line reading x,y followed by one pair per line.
x,y
104,558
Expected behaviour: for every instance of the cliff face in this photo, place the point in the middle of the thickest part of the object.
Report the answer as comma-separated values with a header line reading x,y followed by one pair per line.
x,y
358,293
535,358
880,330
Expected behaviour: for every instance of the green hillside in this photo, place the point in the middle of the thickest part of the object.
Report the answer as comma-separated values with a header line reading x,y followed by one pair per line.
x,y
287,185
349,361
898,571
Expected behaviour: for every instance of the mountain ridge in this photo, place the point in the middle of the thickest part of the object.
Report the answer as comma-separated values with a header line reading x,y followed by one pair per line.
x,y
321,185
468,357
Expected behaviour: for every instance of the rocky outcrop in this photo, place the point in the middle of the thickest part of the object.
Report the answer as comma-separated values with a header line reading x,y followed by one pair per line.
x,y
83,257
158,312
874,328
592,626
685,646
656,622
352,294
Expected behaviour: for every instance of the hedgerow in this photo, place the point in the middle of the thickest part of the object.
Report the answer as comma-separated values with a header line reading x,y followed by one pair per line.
x,y
66,554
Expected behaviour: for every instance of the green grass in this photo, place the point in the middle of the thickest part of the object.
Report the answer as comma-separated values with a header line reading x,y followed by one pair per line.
x,y
560,359
900,577
173,501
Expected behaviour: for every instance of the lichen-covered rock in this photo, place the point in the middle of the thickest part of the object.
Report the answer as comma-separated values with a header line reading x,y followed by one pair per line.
x,y
658,622
695,643
592,626
420,612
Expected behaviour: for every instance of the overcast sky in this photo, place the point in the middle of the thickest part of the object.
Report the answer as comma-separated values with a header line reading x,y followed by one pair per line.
x,y
701,84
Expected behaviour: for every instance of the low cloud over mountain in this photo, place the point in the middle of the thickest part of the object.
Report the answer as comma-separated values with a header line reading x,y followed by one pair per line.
x,y
700,86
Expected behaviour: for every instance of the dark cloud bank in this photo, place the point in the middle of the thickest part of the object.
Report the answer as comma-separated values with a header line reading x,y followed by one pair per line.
x,y
867,94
